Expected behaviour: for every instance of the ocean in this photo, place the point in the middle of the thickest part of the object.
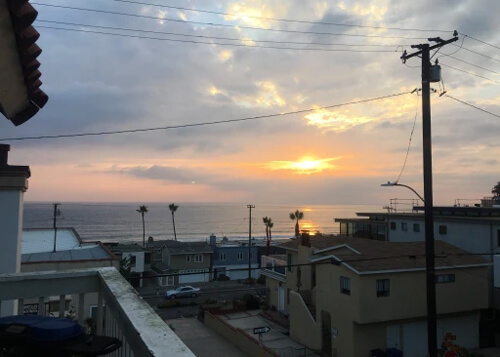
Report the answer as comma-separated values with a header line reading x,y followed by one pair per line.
x,y
120,222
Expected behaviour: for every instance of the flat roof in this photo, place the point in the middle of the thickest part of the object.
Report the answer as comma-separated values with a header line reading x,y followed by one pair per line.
x,y
86,252
38,244
42,240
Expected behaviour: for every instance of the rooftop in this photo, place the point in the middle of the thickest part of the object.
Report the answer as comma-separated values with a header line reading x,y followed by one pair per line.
x,y
366,255
118,248
38,245
189,247
41,240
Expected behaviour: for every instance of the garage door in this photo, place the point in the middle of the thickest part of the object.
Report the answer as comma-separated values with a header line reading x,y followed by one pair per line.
x,y
415,339
192,277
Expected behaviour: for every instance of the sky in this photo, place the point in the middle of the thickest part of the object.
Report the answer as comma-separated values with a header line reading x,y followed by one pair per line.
x,y
200,73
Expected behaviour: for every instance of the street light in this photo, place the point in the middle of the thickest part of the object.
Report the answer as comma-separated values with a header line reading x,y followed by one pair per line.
x,y
391,184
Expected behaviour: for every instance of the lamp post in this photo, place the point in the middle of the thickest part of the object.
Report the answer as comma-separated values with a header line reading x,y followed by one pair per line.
x,y
391,184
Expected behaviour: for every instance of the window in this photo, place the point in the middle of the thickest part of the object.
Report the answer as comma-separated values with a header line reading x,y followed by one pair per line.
x,y
393,226
198,258
222,256
289,261
498,238
147,258
416,227
345,285
383,287
188,258
443,229
240,256
445,278
133,260
404,226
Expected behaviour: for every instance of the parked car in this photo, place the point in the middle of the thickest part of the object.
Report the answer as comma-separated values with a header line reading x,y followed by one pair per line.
x,y
182,291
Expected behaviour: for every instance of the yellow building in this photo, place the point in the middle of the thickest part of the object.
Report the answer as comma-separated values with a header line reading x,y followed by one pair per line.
x,y
348,296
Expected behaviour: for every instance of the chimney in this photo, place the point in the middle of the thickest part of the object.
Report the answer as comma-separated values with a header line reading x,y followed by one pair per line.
x,y
305,240
213,240
13,184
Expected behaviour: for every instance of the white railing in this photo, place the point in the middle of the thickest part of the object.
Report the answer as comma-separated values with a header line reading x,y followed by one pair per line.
x,y
121,312
275,263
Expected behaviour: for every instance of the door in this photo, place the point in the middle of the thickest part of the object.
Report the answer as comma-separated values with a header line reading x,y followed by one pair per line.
x,y
415,339
326,333
281,297
393,337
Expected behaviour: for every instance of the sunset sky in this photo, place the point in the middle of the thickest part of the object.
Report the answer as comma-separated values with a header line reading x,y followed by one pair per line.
x,y
339,155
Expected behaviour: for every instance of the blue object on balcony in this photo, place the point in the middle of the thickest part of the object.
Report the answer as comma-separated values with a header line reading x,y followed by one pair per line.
x,y
393,352
40,328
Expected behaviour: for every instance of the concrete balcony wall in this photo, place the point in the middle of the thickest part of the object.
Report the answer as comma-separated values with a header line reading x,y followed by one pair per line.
x,y
303,326
127,316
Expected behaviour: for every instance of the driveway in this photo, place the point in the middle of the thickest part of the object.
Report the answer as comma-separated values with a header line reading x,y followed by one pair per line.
x,y
203,341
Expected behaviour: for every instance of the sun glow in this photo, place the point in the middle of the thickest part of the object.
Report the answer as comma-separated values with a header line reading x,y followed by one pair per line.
x,y
306,166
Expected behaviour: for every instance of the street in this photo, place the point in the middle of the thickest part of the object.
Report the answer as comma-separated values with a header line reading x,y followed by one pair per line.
x,y
220,291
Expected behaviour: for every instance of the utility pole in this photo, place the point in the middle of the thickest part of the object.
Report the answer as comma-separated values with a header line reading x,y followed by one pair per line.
x,y
56,213
427,78
250,242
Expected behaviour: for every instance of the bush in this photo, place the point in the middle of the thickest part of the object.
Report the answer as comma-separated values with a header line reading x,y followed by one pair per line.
x,y
250,281
251,302
261,280
174,303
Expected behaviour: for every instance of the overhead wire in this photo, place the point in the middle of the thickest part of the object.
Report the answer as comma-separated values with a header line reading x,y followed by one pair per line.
x,y
219,24
214,37
471,73
202,123
474,65
220,44
481,41
472,105
409,144
279,19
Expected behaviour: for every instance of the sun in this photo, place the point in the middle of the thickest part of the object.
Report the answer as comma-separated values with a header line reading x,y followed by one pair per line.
x,y
303,166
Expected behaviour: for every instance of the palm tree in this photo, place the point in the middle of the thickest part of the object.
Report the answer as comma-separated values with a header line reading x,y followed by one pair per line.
x,y
496,189
173,208
266,223
142,210
270,225
297,215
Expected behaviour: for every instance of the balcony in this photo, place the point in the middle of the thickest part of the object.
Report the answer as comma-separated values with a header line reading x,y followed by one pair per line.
x,y
274,266
121,312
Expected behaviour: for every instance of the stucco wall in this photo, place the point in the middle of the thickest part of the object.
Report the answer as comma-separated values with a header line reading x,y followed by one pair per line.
x,y
179,262
303,328
28,267
408,294
469,236
272,291
237,337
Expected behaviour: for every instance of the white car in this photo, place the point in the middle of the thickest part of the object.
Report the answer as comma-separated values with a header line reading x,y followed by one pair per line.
x,y
182,291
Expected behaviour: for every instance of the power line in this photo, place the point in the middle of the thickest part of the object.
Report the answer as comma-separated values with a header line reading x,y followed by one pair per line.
x,y
215,37
409,145
481,41
199,124
472,105
279,19
471,73
477,53
222,25
472,64
219,44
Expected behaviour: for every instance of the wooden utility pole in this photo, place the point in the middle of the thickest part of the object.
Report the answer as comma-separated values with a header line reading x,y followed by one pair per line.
x,y
427,78
56,213
250,242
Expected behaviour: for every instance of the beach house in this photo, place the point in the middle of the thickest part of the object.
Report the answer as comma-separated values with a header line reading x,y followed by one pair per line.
x,y
347,296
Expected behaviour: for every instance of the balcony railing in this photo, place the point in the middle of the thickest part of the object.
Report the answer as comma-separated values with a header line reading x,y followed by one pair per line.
x,y
121,312
274,263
